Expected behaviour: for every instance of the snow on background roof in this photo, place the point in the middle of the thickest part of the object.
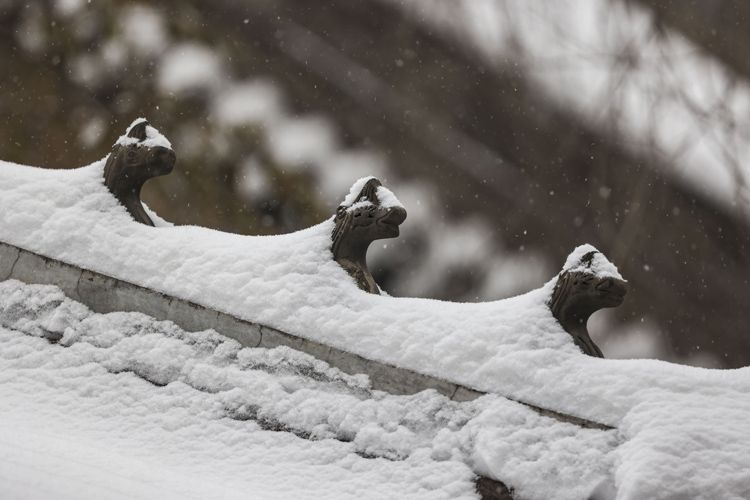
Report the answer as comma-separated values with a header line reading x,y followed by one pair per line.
x,y
189,67
153,137
514,347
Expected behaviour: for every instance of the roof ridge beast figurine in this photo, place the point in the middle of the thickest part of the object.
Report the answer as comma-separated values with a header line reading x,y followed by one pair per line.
x,y
587,283
137,156
370,212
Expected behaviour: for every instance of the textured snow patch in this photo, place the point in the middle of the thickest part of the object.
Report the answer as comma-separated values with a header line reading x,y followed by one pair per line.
x,y
196,404
512,347
153,137
354,191
131,407
686,446
387,198
359,204
597,264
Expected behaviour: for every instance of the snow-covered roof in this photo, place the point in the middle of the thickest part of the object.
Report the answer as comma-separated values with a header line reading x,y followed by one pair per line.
x,y
514,347
206,409
289,282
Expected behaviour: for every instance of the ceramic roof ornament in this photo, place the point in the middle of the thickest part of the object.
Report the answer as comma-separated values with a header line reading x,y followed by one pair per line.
x,y
370,212
139,155
587,283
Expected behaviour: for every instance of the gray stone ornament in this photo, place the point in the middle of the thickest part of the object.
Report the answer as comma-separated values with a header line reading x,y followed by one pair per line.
x,y
359,224
129,166
580,293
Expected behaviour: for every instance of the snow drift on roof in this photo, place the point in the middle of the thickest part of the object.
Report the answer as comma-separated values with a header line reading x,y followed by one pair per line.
x,y
513,347
203,405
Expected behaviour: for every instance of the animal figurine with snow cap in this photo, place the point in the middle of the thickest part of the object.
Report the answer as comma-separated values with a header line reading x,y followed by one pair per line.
x,y
587,283
137,156
370,212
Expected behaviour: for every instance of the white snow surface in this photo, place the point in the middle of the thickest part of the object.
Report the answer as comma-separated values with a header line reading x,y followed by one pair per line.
x,y
387,198
153,137
599,265
124,406
681,426
360,204
290,282
354,191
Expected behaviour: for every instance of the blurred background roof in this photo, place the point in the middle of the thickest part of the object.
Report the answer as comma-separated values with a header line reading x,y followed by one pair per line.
x,y
511,130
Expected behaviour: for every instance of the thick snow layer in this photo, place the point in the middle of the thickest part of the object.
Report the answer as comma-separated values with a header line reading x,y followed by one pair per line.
x,y
153,137
387,198
512,347
354,191
124,406
689,445
360,204
599,265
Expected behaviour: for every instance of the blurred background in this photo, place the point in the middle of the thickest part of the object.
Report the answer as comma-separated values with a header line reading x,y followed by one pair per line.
x,y
511,130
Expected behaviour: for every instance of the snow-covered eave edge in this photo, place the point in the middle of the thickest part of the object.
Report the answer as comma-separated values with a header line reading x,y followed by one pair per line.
x,y
104,294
